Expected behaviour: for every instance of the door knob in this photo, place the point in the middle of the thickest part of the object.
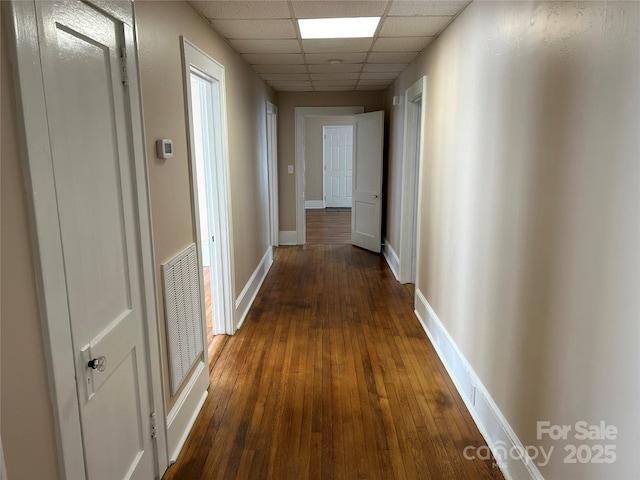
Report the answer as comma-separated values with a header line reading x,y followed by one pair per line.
x,y
375,196
98,364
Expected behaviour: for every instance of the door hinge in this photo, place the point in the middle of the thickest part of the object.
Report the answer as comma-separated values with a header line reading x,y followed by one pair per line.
x,y
123,66
152,423
213,239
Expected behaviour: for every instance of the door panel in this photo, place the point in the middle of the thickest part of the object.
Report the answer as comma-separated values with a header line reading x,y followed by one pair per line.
x,y
92,167
366,213
338,143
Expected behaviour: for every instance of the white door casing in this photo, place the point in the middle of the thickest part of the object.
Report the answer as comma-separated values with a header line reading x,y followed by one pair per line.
x,y
366,210
79,100
272,167
337,150
414,115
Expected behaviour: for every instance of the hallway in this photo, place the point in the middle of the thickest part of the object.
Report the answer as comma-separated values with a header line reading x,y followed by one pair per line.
x,y
331,376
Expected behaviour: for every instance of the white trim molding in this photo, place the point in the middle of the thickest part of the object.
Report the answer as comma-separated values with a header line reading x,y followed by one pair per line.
x,y
301,113
492,424
250,290
313,204
272,168
391,257
183,415
414,120
288,237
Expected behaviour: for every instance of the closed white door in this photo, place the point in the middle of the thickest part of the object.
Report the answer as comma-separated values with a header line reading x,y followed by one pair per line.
x,y
95,193
338,165
366,213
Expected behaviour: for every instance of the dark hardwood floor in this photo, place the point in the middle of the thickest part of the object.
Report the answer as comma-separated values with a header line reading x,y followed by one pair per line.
x,y
328,226
331,377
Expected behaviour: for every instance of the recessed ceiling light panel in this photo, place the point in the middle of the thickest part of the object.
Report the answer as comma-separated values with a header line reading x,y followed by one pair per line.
x,y
354,27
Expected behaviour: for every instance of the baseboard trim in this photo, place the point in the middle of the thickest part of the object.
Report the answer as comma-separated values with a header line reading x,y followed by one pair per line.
x,y
313,204
492,424
185,411
288,237
392,259
250,290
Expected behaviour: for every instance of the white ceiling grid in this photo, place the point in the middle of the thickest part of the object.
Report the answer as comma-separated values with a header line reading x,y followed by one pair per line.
x,y
266,34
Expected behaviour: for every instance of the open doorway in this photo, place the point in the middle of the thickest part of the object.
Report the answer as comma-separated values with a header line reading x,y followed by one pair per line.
x,y
328,179
309,159
204,80
201,110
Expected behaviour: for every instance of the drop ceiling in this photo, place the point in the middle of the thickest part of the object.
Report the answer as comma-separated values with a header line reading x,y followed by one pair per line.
x,y
266,34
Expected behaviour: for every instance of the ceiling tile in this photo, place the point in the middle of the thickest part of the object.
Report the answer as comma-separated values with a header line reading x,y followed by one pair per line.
x,y
338,67
273,58
401,44
344,8
371,87
280,68
259,28
397,57
343,88
334,83
345,57
244,9
291,88
266,46
335,76
413,26
375,82
284,76
329,45
384,67
411,8
296,83
379,75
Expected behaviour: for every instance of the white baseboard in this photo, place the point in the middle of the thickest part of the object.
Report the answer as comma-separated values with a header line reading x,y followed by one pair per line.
x,y
392,258
288,237
314,204
250,290
492,424
183,414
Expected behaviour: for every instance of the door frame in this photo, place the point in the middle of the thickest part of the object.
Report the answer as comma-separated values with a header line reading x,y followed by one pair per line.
x,y
413,160
272,168
324,160
301,114
222,308
36,156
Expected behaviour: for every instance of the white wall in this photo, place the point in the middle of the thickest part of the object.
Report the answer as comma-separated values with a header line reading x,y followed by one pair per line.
x,y
530,226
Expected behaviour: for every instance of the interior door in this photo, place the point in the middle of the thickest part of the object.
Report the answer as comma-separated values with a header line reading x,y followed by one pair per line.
x,y
338,163
366,210
92,161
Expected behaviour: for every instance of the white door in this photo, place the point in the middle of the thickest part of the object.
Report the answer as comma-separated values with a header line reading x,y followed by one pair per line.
x,y
337,151
95,193
366,213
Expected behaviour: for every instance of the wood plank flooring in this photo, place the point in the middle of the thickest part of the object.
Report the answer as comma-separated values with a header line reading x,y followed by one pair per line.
x,y
328,226
331,377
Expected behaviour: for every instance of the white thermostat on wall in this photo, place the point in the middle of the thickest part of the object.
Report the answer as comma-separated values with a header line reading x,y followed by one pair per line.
x,y
164,148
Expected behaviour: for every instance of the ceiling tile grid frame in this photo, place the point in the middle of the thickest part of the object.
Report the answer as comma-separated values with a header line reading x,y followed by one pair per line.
x,y
266,34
